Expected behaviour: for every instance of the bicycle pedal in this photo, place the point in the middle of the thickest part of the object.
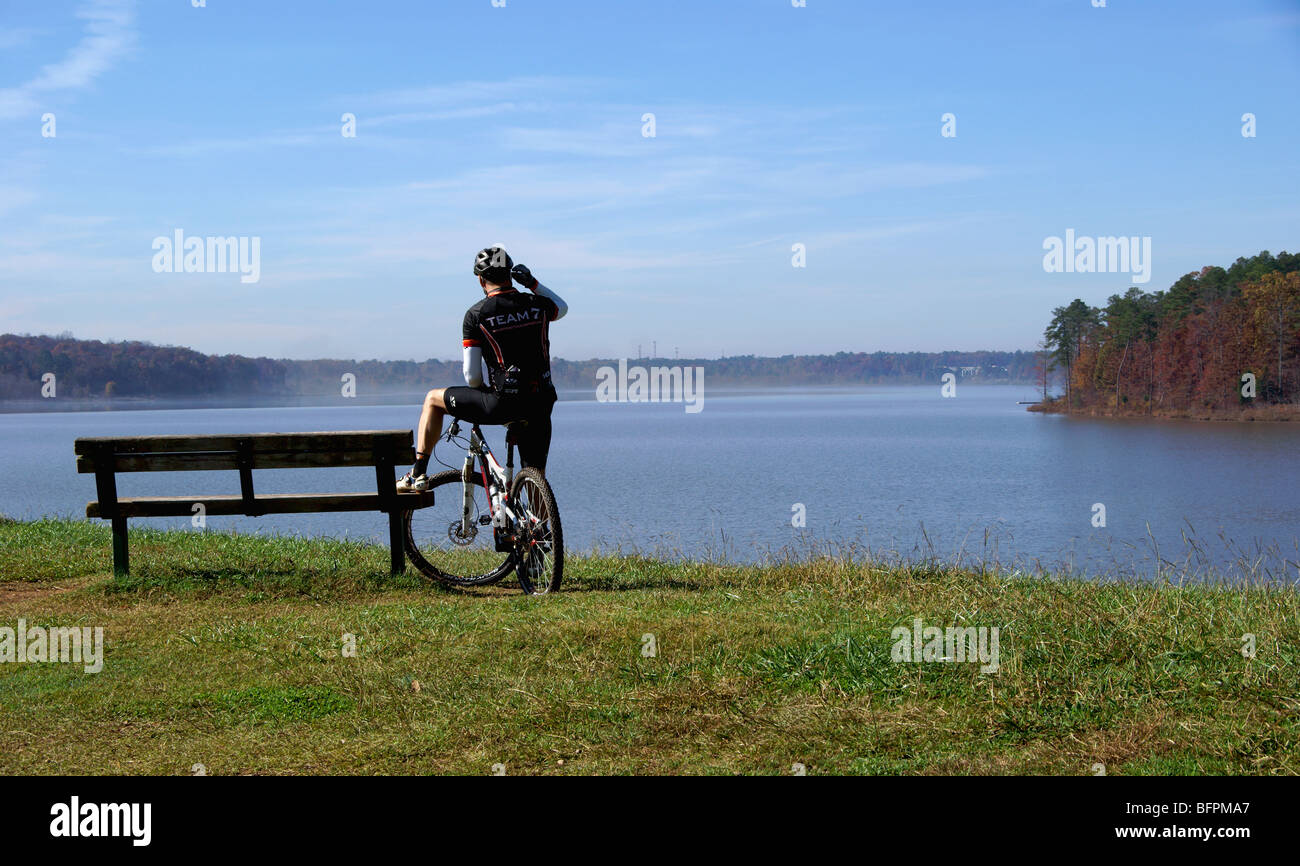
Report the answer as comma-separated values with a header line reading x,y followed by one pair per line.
x,y
484,519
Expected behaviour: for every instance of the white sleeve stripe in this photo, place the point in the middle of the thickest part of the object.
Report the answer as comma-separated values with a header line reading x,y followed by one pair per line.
x,y
472,365
561,306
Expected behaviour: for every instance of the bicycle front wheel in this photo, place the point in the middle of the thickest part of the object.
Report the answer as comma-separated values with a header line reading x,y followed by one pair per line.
x,y
444,548
540,548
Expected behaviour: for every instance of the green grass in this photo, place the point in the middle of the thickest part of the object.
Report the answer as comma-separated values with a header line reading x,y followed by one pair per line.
x,y
227,651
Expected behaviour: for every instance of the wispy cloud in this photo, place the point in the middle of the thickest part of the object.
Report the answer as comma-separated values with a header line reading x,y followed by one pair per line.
x,y
461,101
206,146
613,140
14,37
473,92
12,198
109,35
469,112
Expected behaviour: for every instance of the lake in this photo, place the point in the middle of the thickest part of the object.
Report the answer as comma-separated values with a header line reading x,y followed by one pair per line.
x,y
897,470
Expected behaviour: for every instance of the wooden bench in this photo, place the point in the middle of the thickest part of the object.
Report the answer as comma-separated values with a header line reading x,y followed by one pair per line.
x,y
382,449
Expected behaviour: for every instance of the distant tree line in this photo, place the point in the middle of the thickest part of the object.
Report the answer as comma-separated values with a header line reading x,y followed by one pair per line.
x,y
91,368
1216,339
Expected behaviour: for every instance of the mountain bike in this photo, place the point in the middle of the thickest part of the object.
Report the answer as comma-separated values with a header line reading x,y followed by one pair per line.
x,y
486,521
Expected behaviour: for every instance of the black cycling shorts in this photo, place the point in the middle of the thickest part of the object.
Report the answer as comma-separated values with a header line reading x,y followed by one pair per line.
x,y
485,407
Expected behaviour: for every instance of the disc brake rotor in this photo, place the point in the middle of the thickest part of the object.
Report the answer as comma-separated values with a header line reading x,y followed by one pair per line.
x,y
458,536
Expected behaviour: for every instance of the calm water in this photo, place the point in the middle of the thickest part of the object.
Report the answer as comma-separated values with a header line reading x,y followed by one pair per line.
x,y
899,470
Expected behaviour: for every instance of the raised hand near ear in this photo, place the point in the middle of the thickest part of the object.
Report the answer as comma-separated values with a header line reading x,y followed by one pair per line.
x,y
524,277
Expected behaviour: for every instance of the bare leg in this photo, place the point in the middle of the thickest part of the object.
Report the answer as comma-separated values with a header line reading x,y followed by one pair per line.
x,y
430,422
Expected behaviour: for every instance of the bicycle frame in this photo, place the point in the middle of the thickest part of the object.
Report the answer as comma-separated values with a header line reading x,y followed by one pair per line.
x,y
496,479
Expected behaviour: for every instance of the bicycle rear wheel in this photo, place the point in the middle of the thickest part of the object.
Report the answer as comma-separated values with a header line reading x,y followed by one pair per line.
x,y
539,554
438,545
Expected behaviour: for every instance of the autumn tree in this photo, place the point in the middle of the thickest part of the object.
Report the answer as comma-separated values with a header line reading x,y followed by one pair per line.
x,y
1186,346
1129,320
1275,302
1065,337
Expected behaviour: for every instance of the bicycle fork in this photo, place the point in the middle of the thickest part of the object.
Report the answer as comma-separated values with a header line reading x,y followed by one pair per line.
x,y
467,498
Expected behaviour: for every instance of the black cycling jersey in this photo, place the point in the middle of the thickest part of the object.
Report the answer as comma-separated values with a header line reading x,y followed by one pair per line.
x,y
512,328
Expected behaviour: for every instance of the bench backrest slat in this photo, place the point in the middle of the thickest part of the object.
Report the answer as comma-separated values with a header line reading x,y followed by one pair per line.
x,y
264,451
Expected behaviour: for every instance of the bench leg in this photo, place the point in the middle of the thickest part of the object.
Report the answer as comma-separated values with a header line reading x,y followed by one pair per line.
x,y
121,564
396,546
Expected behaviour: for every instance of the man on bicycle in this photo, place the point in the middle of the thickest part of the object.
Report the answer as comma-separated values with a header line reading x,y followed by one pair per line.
x,y
510,331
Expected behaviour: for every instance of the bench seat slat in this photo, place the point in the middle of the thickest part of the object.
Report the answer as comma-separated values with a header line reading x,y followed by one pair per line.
x,y
271,503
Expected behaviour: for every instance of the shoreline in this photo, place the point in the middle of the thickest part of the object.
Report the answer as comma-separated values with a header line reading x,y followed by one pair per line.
x,y
1268,413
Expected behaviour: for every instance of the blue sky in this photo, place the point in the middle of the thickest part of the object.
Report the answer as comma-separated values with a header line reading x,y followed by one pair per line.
x,y
522,125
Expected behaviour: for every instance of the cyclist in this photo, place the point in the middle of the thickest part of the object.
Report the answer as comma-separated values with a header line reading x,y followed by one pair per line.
x,y
510,331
